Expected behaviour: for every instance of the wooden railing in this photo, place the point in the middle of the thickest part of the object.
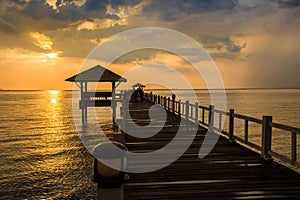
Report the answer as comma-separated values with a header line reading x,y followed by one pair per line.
x,y
211,117
94,99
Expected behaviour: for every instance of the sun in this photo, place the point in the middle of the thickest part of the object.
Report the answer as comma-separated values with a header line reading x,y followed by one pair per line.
x,y
53,92
51,55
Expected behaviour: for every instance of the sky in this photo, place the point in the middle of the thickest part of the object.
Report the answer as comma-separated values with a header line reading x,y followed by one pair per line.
x,y
254,43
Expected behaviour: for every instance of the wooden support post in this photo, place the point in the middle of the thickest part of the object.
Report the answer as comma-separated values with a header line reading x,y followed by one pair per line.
x,y
125,116
197,113
151,97
266,138
165,102
179,108
231,126
203,115
168,103
246,131
82,106
85,110
158,98
83,116
113,85
113,102
173,103
187,109
220,122
294,147
211,116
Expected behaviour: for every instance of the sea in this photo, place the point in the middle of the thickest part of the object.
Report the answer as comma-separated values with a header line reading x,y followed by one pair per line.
x,y
42,156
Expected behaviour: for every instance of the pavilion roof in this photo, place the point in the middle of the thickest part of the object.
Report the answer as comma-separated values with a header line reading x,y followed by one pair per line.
x,y
96,74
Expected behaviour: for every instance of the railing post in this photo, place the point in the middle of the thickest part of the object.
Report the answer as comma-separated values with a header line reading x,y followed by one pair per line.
x,y
246,131
187,107
266,138
211,117
294,147
220,122
231,126
173,102
125,115
196,113
165,102
158,98
179,108
203,115
168,103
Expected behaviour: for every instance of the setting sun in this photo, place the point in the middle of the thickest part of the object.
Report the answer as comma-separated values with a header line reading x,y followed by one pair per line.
x,y
51,55
53,92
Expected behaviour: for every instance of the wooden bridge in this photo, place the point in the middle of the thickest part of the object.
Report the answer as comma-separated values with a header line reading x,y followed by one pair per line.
x,y
229,171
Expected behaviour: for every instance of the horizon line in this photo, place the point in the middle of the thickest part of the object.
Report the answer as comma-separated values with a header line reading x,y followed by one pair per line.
x,y
242,88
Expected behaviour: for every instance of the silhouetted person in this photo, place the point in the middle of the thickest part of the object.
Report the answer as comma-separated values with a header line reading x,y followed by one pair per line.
x,y
135,95
141,93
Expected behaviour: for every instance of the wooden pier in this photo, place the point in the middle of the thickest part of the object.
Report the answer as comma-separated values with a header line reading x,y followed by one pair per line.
x,y
229,171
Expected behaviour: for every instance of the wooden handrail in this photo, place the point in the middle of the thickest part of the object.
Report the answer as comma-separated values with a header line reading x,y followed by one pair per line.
x,y
251,119
96,94
285,127
186,109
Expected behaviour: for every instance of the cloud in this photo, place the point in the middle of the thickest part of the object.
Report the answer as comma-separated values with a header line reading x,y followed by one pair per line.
x,y
172,10
233,32
288,3
42,40
7,27
231,46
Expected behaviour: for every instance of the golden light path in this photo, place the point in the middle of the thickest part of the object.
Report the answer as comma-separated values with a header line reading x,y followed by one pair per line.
x,y
53,96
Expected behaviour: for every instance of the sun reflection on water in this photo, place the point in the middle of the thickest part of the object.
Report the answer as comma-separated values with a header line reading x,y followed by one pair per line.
x,y
54,94
53,139
54,100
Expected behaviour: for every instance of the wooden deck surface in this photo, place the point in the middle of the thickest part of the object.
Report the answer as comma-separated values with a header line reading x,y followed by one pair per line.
x,y
229,171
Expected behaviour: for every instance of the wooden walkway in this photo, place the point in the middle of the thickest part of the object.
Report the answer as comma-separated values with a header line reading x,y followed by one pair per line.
x,y
230,171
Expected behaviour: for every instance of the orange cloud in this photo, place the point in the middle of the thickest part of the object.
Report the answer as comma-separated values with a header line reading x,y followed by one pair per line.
x,y
41,40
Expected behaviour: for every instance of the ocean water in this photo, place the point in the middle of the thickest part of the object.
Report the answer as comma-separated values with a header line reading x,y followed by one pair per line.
x,y
42,157
41,154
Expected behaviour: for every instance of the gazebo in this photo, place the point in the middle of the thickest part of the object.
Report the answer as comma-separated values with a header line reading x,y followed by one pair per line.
x,y
94,98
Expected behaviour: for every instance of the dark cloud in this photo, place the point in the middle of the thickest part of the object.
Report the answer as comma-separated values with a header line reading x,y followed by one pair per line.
x,y
38,9
288,3
231,46
223,44
171,10
7,27
96,5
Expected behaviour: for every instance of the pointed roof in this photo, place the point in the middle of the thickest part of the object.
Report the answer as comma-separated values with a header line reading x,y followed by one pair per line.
x,y
96,74
138,85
